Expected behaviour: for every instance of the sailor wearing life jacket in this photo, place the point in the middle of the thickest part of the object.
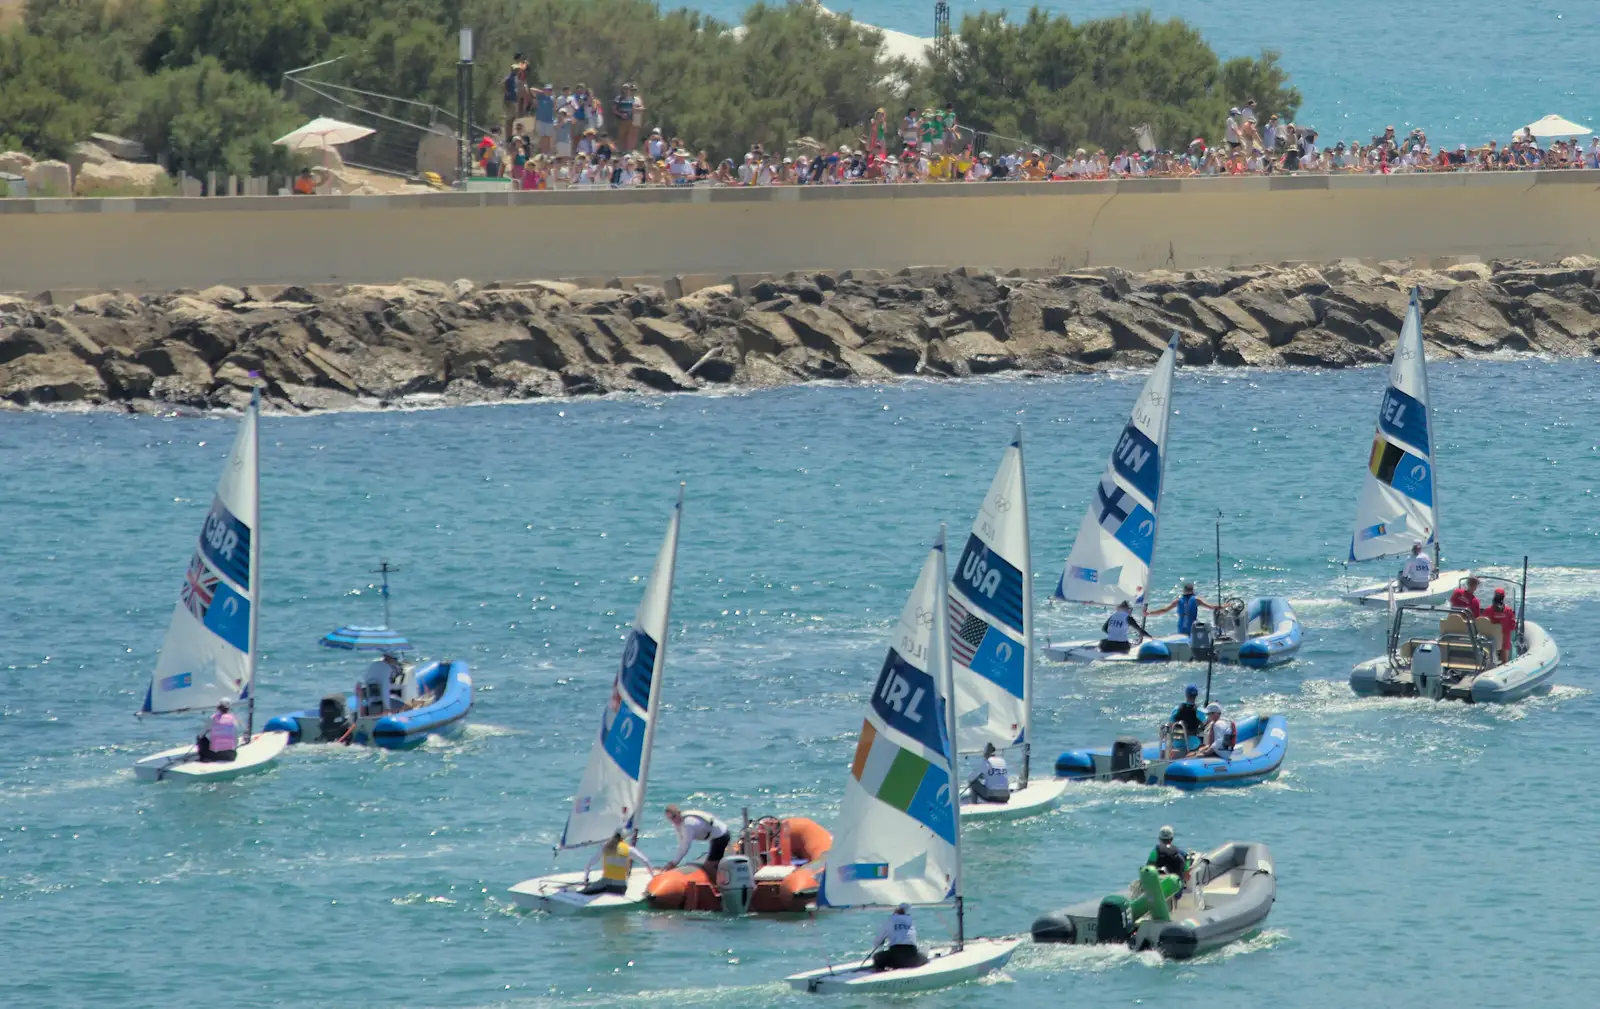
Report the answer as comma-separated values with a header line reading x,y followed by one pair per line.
x,y
1418,571
220,741
1187,715
993,782
900,932
1188,607
692,825
1218,735
1116,629
616,858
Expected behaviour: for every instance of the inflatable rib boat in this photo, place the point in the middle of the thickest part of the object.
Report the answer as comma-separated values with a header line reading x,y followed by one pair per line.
x,y
1262,741
782,868
1263,632
445,696
1230,893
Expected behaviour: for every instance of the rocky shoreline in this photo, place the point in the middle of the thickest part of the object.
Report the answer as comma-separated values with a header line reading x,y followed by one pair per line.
x,y
374,346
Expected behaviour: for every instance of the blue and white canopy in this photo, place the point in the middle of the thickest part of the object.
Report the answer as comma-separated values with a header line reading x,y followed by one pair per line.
x,y
1110,560
991,616
367,639
896,838
613,785
1399,500
208,654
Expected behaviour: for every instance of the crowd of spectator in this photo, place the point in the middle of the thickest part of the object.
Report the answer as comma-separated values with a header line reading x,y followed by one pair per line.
x,y
568,137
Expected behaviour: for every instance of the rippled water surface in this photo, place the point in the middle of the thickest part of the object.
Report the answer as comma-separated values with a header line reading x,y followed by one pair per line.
x,y
1425,852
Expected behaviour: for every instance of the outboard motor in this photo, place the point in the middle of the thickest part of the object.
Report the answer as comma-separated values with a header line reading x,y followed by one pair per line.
x,y
334,719
1201,647
737,882
1127,759
1427,670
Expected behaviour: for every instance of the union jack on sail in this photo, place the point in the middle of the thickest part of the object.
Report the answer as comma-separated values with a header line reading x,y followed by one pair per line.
x,y
199,586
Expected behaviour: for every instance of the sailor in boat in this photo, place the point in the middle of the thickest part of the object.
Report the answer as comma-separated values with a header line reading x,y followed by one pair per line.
x,y
220,741
1167,857
900,932
1417,574
1186,717
1465,597
1505,618
992,782
616,858
386,687
1218,735
1188,607
692,825
1116,629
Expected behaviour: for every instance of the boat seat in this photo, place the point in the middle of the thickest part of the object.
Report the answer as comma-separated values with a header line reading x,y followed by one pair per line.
x,y
1490,635
1454,625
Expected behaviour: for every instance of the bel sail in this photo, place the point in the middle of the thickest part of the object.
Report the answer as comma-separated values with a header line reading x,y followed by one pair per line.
x,y
205,656
613,784
1110,560
895,838
1398,505
991,619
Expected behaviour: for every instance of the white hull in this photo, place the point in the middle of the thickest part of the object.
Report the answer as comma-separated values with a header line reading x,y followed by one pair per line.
x,y
1085,651
1529,674
945,967
1437,593
559,893
181,764
1041,796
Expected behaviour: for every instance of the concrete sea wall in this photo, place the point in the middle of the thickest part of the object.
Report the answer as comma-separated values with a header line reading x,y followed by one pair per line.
x,y
166,243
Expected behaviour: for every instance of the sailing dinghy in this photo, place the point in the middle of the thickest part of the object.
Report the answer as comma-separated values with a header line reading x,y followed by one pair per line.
x,y
209,653
611,792
991,642
1110,560
1399,503
899,837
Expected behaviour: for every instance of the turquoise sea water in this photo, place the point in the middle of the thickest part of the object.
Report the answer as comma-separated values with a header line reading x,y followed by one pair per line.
x,y
1427,854
1465,72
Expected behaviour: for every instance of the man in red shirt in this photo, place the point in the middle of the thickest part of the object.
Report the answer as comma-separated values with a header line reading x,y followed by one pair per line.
x,y
1465,597
1499,613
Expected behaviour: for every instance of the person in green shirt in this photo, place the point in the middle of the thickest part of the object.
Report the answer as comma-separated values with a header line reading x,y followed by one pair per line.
x,y
932,131
1168,857
947,126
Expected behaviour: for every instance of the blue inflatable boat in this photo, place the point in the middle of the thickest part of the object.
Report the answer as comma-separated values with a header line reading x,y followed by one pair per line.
x,y
1261,742
444,689
1270,636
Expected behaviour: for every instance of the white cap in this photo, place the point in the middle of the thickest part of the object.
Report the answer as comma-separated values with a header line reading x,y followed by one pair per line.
x,y
1165,833
1213,708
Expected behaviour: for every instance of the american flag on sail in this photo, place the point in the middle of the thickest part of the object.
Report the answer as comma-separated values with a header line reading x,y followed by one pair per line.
x,y
967,631
199,586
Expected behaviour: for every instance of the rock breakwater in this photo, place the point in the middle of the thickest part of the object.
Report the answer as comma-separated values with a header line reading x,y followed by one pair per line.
x,y
369,345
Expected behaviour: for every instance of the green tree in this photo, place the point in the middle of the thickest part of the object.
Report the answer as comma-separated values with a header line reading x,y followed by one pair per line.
x,y
260,39
205,118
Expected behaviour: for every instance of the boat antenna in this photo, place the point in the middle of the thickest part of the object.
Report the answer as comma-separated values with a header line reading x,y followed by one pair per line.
x,y
1522,618
385,569
1211,653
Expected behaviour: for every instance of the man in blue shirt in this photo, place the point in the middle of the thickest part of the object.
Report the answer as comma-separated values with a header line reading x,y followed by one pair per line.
x,y
544,118
1188,607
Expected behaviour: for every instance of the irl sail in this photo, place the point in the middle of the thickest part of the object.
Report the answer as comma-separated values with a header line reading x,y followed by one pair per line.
x,y
612,789
991,616
1110,560
1399,502
206,655
895,838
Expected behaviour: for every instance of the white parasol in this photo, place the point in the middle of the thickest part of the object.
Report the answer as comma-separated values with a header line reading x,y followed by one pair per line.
x,y
1554,126
322,133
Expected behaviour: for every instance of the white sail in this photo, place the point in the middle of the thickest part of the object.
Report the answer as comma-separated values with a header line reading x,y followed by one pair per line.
x,y
612,789
895,838
1110,560
208,653
991,616
1399,500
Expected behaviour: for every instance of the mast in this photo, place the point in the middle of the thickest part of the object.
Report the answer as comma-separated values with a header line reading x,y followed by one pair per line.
x,y
1027,619
655,673
255,562
1211,656
386,570
945,671
1427,398
1161,487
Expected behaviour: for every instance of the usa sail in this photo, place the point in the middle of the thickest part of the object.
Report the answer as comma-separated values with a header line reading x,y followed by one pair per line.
x,y
991,616
897,838
612,789
1399,500
1110,560
208,654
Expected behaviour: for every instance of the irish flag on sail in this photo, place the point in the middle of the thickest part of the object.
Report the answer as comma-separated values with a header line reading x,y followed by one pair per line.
x,y
896,835
1110,560
206,654
991,615
613,784
1397,506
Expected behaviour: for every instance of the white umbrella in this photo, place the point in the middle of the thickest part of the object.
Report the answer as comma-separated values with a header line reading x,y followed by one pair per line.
x,y
322,133
1555,126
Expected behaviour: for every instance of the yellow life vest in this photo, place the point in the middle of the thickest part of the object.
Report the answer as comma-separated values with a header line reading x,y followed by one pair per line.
x,y
616,867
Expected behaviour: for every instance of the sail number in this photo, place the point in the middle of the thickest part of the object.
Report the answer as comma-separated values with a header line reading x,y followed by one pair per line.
x,y
977,574
894,693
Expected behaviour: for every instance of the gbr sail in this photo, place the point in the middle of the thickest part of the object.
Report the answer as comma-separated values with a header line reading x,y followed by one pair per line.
x,y
1110,560
991,616
896,837
208,654
1399,500
612,789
